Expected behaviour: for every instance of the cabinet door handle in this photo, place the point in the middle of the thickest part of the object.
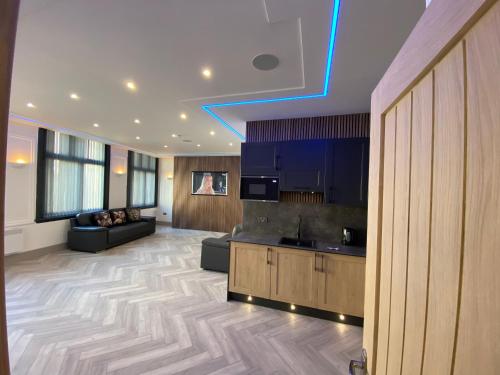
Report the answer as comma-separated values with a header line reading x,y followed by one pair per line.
x,y
322,263
362,172
319,176
316,262
269,253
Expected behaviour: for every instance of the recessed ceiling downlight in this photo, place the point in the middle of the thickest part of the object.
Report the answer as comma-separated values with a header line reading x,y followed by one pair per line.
x,y
265,61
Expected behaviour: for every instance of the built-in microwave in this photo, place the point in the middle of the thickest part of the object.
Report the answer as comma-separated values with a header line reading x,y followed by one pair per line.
x,y
260,188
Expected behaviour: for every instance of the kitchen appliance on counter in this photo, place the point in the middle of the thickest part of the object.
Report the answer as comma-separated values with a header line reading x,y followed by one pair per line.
x,y
348,236
260,188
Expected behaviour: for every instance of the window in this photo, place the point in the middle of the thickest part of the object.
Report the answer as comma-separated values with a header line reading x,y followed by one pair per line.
x,y
142,184
73,176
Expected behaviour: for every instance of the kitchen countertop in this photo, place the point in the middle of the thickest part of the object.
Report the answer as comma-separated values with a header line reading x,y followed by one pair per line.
x,y
321,246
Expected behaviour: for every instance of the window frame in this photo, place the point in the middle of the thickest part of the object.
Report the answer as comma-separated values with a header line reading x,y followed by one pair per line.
x,y
130,179
41,175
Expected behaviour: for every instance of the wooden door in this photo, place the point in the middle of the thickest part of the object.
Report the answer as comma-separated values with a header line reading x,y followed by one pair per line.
x,y
8,23
249,270
434,213
341,283
293,276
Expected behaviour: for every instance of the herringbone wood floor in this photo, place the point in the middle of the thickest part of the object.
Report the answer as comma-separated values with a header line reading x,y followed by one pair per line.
x,y
147,308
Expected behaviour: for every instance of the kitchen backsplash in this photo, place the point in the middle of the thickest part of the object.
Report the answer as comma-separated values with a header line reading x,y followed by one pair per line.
x,y
319,222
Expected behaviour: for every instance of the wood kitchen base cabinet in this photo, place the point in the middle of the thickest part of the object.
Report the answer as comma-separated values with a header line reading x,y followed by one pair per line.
x,y
249,271
341,284
293,277
329,282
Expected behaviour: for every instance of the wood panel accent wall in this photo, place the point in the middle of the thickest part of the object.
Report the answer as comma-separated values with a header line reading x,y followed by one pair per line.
x,y
8,21
432,301
300,197
324,127
212,213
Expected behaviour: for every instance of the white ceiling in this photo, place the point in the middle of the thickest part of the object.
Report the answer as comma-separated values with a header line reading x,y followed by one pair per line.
x,y
92,46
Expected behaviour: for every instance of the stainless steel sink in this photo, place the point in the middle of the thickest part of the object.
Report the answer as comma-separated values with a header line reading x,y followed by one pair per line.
x,y
298,242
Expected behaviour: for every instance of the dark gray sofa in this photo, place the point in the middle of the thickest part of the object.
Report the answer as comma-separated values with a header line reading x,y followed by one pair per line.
x,y
86,235
215,251
215,254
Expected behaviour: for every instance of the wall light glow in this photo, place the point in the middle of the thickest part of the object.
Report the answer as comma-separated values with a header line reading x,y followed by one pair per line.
x,y
326,84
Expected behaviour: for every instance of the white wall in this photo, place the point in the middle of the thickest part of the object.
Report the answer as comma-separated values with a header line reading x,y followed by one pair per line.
x,y
21,232
118,177
165,190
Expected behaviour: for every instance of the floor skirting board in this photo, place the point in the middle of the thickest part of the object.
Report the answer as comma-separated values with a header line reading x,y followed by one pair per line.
x,y
18,255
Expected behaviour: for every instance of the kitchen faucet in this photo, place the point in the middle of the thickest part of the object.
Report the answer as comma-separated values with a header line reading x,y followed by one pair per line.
x,y
298,227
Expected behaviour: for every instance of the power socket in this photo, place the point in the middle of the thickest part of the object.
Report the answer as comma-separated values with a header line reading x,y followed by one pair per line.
x,y
262,219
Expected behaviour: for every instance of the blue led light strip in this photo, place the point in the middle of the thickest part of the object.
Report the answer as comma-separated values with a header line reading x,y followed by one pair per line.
x,y
328,72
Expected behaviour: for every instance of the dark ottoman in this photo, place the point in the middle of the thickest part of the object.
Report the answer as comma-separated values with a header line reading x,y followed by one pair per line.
x,y
215,254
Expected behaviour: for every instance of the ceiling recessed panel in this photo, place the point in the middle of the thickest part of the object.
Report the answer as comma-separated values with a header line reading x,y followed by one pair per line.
x,y
94,48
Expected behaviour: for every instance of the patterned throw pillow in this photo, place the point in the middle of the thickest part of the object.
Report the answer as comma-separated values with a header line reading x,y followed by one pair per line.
x,y
133,214
119,217
103,219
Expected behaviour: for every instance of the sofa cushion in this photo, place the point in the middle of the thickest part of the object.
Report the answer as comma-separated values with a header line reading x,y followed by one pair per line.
x,y
103,219
85,219
221,242
131,230
119,217
133,214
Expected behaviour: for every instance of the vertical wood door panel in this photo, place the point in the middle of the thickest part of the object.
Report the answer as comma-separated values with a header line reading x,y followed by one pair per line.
x,y
293,276
400,236
447,213
478,344
419,226
249,272
372,275
386,244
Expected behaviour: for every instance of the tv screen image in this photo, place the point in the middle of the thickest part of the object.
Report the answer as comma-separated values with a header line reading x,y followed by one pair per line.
x,y
209,183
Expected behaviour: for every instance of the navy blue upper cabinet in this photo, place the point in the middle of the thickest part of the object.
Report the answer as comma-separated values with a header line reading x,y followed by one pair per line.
x,y
259,159
346,180
302,165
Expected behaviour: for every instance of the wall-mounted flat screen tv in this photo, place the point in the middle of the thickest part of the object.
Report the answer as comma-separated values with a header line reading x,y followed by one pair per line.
x,y
209,183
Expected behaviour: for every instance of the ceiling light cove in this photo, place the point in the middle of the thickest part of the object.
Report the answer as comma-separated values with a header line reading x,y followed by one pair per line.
x,y
326,82
131,85
30,105
137,121
74,96
183,116
206,73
